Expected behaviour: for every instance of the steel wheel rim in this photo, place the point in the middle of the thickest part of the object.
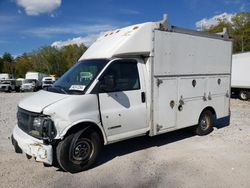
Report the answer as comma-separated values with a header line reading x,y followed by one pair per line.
x,y
83,150
204,123
243,95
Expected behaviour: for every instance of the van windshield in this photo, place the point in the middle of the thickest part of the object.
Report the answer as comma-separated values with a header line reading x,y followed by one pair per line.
x,y
78,77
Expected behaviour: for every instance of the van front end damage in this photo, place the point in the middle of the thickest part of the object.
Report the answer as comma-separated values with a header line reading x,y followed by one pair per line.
x,y
33,135
23,143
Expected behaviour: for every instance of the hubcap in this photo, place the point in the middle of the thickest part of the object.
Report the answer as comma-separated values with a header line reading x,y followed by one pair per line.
x,y
83,150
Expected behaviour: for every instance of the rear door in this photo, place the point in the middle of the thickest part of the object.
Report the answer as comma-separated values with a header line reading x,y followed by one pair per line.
x,y
123,109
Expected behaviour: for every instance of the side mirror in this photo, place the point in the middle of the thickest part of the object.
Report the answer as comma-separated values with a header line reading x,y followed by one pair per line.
x,y
108,83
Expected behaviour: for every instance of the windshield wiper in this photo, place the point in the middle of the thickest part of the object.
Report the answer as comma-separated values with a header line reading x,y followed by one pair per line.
x,y
60,88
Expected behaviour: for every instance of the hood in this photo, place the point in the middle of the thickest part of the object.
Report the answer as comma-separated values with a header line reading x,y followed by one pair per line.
x,y
40,100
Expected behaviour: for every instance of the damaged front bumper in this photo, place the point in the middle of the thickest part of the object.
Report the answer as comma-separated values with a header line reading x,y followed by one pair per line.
x,y
31,146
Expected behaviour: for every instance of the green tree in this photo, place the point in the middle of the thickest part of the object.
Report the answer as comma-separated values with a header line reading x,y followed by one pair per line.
x,y
49,60
46,59
239,30
242,32
72,53
23,64
1,64
8,63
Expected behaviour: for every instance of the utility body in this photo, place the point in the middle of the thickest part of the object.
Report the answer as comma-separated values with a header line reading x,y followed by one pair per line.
x,y
145,79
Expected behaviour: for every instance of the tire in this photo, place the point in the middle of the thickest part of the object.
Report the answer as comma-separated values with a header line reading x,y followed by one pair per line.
x,y
205,125
243,95
9,90
84,152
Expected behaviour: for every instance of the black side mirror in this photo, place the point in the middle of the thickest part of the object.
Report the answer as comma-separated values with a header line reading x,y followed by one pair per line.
x,y
108,83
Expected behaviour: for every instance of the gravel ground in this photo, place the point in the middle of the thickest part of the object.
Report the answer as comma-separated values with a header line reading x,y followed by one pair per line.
x,y
177,159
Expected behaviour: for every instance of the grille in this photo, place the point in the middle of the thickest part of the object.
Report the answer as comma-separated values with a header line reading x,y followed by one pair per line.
x,y
25,120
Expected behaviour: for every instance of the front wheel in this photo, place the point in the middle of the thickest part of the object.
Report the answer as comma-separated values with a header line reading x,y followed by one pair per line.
x,y
243,95
205,125
9,90
82,154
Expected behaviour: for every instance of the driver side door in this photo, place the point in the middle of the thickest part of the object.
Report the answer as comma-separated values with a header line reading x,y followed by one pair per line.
x,y
123,108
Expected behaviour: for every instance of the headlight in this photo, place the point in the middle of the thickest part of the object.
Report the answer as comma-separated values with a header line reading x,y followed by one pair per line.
x,y
37,123
43,127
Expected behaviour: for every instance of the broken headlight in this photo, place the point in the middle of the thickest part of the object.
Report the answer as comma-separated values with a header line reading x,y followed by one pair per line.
x,y
43,128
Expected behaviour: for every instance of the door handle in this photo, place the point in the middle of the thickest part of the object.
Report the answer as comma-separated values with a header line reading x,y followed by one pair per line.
x,y
143,97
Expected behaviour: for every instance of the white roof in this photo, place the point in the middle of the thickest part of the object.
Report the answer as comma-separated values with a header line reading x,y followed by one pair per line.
x,y
135,39
245,55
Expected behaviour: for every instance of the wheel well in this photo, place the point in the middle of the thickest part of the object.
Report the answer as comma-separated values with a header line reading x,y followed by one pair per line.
x,y
211,109
82,125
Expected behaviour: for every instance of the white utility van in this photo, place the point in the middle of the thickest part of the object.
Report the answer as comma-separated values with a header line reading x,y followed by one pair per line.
x,y
145,79
240,84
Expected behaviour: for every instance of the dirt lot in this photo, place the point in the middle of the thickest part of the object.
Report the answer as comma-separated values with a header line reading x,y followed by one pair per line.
x,y
177,159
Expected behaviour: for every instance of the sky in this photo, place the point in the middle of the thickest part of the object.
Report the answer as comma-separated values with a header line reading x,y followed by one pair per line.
x,y
27,25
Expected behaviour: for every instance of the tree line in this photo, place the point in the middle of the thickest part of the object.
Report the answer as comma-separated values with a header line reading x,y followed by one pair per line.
x,y
47,59
239,30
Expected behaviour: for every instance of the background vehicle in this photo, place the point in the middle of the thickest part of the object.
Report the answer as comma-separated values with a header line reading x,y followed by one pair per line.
x,y
145,79
48,81
36,76
5,76
7,85
29,85
240,75
19,83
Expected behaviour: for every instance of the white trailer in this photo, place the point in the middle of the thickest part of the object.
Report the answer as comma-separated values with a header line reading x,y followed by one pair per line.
x,y
240,84
145,79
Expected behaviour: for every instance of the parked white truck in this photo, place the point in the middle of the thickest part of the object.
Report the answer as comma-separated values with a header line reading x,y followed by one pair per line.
x,y
145,79
48,81
33,81
240,84
7,85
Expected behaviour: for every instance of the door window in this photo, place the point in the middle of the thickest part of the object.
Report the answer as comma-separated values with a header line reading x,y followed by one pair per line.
x,y
125,73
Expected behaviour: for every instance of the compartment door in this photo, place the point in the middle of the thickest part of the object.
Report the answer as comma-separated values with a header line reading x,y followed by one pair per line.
x,y
166,103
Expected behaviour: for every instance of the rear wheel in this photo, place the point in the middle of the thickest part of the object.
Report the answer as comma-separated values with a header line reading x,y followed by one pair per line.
x,y
205,125
82,154
243,95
